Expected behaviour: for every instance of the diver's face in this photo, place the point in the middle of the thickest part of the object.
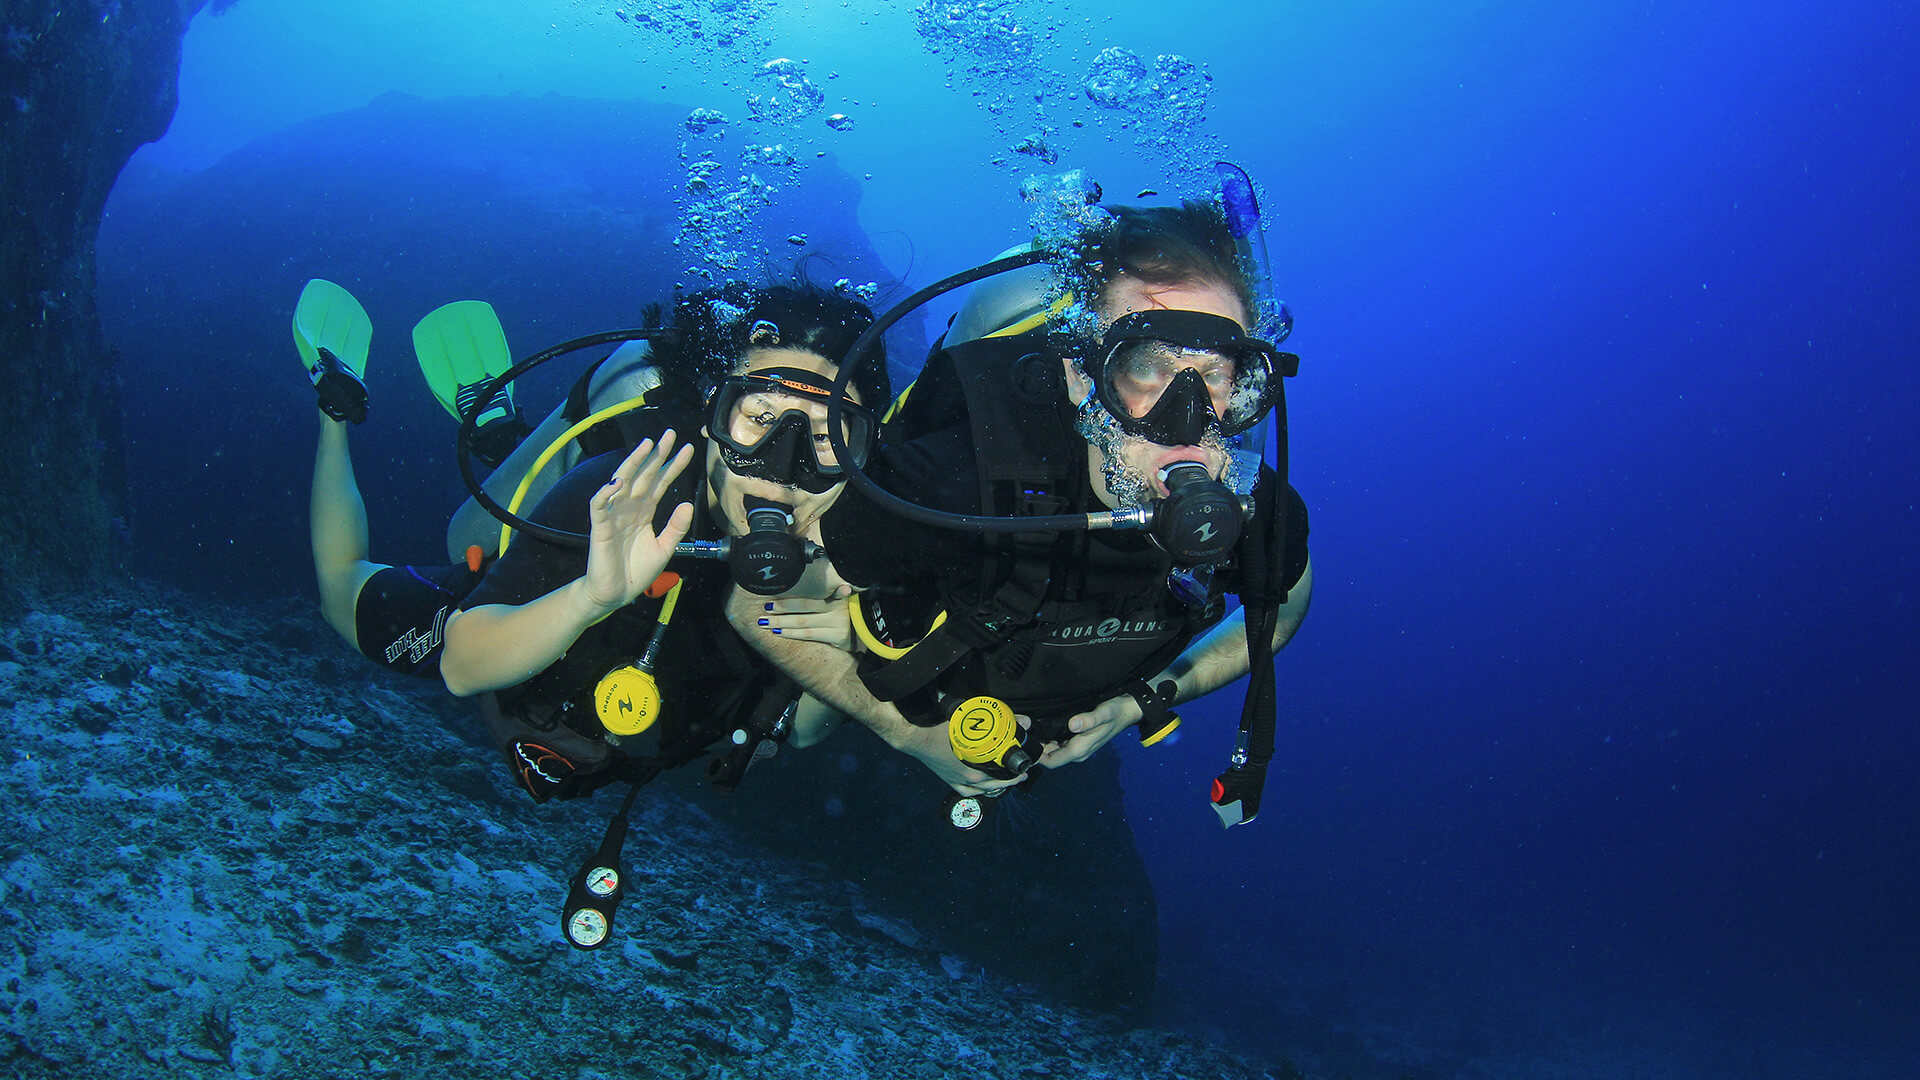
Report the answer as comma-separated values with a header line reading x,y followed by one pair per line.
x,y
750,420
1139,462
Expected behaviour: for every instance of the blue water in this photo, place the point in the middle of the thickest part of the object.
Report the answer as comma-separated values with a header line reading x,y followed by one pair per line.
x,y
1600,739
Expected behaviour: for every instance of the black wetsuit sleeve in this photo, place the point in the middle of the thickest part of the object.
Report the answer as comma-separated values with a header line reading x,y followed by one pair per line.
x,y
872,546
1292,562
531,567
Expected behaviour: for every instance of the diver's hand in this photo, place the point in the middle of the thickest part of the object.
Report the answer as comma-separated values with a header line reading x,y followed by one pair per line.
x,y
624,553
824,621
935,751
1093,730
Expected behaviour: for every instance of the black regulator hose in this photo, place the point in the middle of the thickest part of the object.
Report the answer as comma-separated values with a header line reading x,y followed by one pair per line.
x,y
494,387
887,500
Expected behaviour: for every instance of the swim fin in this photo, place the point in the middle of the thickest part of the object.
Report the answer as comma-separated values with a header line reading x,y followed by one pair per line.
x,y
460,346
332,332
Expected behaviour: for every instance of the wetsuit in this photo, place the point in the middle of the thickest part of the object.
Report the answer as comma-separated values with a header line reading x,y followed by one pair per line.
x,y
400,616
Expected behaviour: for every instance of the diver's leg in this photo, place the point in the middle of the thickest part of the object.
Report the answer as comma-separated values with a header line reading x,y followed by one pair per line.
x,y
813,721
339,530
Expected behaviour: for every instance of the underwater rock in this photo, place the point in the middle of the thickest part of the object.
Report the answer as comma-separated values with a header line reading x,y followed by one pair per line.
x,y
1050,890
82,94
355,914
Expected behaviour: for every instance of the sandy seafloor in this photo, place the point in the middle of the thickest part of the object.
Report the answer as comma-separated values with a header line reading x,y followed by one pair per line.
x,y
232,848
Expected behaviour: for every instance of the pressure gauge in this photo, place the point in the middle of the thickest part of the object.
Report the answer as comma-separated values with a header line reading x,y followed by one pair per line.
x,y
587,928
965,813
602,881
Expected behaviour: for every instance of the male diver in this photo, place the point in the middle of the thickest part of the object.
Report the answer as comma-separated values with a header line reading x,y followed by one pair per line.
x,y
1118,401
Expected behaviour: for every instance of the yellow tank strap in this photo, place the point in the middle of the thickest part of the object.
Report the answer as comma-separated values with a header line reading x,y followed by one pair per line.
x,y
1038,319
547,455
858,617
898,400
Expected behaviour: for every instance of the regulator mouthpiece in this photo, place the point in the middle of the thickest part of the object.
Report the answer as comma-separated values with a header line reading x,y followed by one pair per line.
x,y
769,559
1200,519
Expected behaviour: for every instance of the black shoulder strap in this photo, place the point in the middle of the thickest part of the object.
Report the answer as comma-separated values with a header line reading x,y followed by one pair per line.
x,y
1029,461
1009,606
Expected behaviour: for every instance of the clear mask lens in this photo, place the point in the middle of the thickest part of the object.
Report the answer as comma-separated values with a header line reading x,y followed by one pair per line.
x,y
1161,389
776,428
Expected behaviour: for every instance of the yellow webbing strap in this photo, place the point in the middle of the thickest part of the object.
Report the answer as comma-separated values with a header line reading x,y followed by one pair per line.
x,y
1036,320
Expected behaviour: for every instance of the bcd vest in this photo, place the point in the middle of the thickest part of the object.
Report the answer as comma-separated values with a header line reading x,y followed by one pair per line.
x,y
1052,623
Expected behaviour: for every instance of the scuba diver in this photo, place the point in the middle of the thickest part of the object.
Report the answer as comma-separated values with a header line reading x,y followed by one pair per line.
x,y
567,632
1118,392
597,668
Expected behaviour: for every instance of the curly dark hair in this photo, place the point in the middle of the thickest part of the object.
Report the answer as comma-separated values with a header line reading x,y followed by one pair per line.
x,y
714,328
1187,244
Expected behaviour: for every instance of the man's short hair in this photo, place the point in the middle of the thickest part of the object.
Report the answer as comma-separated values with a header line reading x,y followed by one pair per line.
x,y
1187,244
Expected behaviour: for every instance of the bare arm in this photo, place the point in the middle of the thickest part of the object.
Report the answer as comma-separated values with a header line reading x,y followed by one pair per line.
x,y
831,675
495,646
1220,657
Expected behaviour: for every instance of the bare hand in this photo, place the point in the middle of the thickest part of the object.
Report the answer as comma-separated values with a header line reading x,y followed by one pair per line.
x,y
824,621
934,750
1093,730
624,553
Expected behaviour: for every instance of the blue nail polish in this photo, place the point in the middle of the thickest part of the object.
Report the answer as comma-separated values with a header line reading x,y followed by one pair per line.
x,y
763,622
776,629
769,605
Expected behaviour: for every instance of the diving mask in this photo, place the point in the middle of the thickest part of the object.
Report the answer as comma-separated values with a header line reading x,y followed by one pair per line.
x,y
1169,375
771,424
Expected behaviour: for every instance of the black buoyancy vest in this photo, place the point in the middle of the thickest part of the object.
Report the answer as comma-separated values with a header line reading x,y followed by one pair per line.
x,y
1052,623
705,672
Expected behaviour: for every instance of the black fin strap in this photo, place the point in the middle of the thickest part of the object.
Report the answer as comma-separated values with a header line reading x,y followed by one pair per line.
x,y
343,397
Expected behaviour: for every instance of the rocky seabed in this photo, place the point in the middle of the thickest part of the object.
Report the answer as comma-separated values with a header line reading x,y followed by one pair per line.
x,y
232,848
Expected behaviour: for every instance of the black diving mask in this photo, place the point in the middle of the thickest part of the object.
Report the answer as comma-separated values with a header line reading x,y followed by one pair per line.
x,y
1168,376
771,425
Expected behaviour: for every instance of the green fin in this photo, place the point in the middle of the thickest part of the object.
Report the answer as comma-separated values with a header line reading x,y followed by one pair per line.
x,y
328,317
460,346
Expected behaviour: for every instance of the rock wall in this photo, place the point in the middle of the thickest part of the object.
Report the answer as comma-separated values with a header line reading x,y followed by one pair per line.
x,y
81,88
217,863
